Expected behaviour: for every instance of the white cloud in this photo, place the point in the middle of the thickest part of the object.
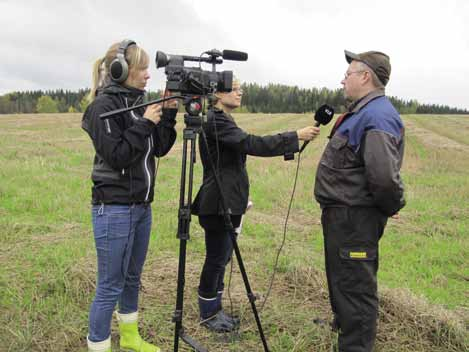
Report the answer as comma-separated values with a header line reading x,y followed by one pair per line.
x,y
52,44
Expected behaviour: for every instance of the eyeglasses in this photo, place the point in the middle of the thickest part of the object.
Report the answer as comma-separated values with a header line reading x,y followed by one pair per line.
x,y
347,74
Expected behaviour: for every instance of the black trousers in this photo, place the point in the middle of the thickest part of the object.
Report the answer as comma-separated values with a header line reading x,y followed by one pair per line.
x,y
351,237
218,250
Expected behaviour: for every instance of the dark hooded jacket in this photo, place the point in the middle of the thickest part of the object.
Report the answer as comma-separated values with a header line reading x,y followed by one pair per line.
x,y
126,146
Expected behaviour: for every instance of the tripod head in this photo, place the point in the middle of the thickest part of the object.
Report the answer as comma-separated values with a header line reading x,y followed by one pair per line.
x,y
193,106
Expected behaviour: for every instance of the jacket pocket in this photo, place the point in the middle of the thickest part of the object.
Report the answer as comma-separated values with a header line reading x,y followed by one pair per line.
x,y
102,170
334,155
358,269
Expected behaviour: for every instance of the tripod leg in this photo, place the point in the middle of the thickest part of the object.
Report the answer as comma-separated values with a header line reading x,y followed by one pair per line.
x,y
177,317
184,217
250,295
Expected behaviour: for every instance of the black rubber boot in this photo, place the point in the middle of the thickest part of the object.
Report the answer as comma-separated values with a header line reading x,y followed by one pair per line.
x,y
211,318
233,319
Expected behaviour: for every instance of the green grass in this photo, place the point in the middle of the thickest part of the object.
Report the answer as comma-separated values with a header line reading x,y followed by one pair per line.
x,y
47,265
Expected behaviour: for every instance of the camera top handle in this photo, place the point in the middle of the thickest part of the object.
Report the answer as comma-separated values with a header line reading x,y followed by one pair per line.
x,y
163,59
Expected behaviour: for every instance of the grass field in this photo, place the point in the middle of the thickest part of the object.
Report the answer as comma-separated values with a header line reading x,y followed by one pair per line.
x,y
47,262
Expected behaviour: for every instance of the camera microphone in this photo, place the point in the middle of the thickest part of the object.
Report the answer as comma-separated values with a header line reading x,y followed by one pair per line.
x,y
234,55
322,116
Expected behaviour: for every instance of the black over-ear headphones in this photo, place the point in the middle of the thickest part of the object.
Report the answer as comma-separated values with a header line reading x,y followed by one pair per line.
x,y
119,68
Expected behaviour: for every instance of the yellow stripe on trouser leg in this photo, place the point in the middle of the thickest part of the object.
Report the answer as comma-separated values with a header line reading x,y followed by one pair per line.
x,y
358,255
130,339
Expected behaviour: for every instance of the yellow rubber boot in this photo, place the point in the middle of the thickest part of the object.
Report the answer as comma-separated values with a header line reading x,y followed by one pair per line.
x,y
130,339
101,346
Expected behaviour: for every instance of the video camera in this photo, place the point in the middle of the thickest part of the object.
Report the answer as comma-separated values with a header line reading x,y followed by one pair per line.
x,y
194,80
191,83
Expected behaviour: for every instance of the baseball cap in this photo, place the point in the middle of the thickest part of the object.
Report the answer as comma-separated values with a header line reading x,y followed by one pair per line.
x,y
376,60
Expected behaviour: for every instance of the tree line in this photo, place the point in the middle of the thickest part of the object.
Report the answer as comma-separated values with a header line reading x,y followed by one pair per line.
x,y
38,101
277,98
272,98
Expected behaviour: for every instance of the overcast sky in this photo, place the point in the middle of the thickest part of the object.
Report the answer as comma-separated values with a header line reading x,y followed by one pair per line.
x,y
52,44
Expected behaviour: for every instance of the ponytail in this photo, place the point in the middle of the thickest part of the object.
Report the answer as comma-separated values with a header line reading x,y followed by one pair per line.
x,y
98,77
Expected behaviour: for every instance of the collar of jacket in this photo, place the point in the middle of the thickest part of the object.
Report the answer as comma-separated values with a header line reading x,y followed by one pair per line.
x,y
114,88
216,110
360,103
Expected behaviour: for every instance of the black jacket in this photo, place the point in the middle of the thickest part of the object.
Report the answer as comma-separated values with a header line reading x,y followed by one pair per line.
x,y
124,164
361,164
230,161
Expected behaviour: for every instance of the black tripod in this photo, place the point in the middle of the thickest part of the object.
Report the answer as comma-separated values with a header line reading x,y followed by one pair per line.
x,y
193,127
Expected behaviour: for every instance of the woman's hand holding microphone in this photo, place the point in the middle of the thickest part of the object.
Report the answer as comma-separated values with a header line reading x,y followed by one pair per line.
x,y
308,133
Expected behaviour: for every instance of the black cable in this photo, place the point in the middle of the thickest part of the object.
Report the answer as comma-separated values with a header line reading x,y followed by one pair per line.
x,y
283,240
218,147
284,236
231,257
159,135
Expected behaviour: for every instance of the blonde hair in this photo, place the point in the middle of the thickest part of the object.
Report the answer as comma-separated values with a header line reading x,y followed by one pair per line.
x,y
136,57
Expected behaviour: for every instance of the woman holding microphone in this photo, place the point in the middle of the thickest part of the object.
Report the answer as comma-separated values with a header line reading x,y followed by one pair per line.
x,y
228,147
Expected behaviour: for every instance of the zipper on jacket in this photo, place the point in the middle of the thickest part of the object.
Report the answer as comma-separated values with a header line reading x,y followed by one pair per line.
x,y
132,113
147,169
108,126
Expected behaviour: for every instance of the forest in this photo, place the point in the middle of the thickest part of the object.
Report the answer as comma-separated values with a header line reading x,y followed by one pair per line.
x,y
271,98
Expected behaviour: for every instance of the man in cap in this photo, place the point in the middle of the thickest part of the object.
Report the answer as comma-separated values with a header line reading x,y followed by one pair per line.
x,y
358,186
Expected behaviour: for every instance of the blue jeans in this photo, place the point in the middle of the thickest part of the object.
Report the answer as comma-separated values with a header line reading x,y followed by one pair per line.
x,y
122,234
